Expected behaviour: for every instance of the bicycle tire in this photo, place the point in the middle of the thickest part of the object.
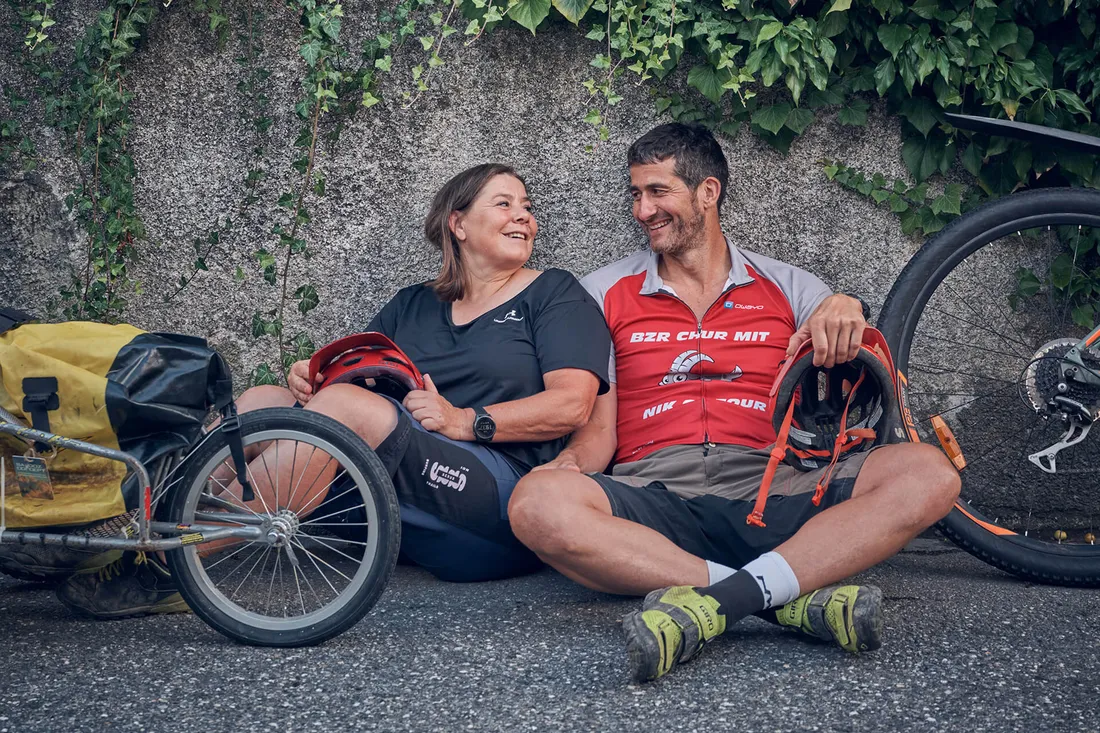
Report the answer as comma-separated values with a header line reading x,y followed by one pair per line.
x,y
374,486
1027,557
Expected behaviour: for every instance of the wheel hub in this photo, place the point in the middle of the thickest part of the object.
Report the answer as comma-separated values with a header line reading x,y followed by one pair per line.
x,y
282,527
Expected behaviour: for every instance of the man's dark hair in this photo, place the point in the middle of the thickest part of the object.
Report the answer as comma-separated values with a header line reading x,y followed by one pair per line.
x,y
698,155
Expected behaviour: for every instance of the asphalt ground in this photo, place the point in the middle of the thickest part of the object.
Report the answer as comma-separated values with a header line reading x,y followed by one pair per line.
x,y
966,647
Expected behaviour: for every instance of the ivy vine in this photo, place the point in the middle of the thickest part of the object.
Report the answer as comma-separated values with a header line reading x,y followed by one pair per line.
x,y
771,65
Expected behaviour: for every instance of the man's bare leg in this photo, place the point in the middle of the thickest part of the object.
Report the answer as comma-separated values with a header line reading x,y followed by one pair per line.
x,y
566,519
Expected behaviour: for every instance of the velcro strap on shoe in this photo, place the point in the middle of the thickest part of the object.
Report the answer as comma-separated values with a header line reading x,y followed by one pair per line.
x,y
815,613
688,627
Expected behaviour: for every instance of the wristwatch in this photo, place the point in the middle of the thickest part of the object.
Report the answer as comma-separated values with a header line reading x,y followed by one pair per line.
x,y
863,303
485,427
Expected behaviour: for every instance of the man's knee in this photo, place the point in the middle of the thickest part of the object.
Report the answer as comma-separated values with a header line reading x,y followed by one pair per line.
x,y
545,505
371,416
938,481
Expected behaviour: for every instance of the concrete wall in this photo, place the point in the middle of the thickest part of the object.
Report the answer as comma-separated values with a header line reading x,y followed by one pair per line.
x,y
509,97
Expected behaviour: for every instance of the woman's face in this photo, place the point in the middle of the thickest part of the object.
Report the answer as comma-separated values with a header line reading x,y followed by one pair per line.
x,y
498,228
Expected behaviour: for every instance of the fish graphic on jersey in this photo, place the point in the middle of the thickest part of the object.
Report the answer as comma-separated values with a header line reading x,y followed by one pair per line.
x,y
682,366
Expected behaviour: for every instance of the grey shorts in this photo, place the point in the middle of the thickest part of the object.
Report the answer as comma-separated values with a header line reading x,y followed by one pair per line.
x,y
699,497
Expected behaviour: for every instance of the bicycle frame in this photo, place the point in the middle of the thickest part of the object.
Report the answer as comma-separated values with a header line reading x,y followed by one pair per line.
x,y
1073,366
176,535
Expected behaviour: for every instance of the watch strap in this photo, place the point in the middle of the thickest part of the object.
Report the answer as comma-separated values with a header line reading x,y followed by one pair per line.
x,y
863,304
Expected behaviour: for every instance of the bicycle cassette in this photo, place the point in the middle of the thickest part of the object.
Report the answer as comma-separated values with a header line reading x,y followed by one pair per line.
x,y
1049,393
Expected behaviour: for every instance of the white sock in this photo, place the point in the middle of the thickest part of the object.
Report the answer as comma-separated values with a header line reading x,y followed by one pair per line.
x,y
776,579
718,572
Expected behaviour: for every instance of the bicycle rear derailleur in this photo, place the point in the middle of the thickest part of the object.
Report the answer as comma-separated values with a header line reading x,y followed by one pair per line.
x,y
1053,390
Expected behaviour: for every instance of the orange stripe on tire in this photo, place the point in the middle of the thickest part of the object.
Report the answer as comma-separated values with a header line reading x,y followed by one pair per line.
x,y
1001,531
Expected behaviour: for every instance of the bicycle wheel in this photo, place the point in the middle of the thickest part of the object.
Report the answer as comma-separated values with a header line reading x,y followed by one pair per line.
x,y
977,332
332,557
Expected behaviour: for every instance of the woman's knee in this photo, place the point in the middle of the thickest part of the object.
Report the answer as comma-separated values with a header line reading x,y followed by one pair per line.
x,y
264,395
371,416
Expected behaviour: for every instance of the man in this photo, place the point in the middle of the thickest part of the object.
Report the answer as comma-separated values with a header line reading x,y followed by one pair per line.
x,y
699,328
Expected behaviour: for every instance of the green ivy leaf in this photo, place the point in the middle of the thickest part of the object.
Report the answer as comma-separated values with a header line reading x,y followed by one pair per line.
x,y
799,119
1003,34
704,78
529,13
921,156
855,113
885,73
972,159
573,10
1061,271
921,114
894,37
772,118
311,52
1072,102
768,31
1084,315
840,6
307,298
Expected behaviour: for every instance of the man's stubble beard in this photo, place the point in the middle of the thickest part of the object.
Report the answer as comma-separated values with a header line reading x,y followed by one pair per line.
x,y
686,235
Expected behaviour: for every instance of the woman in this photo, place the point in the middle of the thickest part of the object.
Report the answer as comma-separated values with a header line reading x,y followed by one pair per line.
x,y
521,351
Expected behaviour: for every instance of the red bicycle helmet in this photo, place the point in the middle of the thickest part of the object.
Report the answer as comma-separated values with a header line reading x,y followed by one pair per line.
x,y
822,414
354,359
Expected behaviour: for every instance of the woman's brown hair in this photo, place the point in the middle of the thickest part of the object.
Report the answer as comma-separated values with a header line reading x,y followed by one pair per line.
x,y
456,195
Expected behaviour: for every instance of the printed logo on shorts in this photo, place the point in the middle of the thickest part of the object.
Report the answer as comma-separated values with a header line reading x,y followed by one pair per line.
x,y
509,316
683,366
440,475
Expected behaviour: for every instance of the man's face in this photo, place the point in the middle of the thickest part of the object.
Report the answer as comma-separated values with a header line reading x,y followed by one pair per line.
x,y
666,207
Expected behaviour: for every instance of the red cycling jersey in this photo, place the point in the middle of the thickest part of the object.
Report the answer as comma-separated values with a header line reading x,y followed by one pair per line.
x,y
686,381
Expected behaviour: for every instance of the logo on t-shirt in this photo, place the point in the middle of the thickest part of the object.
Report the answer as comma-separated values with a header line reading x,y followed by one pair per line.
x,y
684,364
509,316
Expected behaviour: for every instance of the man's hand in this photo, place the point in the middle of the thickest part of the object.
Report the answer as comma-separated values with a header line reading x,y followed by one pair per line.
x,y
565,462
437,415
836,328
298,381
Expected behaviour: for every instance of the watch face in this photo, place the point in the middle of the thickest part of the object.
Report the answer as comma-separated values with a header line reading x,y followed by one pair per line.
x,y
484,427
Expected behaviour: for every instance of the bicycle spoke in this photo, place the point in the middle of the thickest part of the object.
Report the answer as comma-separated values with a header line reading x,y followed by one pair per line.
x,y
267,549
972,346
319,572
334,497
271,587
243,547
301,598
995,300
333,514
329,565
259,494
968,402
339,474
942,370
277,474
294,493
338,552
336,524
985,329
314,481
241,564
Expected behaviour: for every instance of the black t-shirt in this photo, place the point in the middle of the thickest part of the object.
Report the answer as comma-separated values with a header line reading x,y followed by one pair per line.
x,y
501,355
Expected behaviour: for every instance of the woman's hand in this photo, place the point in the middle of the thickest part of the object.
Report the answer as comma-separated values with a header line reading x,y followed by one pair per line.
x,y
437,415
298,381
